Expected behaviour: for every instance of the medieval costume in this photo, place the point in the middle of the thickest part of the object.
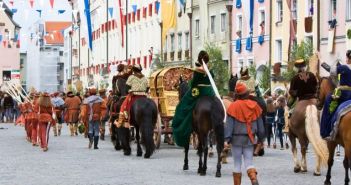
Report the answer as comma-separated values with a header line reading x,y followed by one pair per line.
x,y
243,124
138,86
83,116
93,103
335,102
58,104
46,112
104,113
72,105
199,86
119,81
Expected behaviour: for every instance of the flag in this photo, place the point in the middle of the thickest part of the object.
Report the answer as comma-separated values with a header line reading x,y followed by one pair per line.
x,y
52,3
14,10
135,8
169,18
111,11
31,2
87,14
121,16
157,7
61,11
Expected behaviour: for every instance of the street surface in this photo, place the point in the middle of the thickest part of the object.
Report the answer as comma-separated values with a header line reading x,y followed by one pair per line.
x,y
70,162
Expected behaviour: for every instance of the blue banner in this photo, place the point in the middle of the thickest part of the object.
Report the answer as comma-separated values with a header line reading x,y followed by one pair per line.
x,y
157,6
0,38
249,43
61,11
261,1
14,10
238,45
252,3
39,11
238,4
135,8
111,11
260,39
90,31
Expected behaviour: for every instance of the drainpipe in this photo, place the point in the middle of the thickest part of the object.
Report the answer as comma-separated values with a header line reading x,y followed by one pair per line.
x,y
270,46
190,15
126,31
229,7
318,32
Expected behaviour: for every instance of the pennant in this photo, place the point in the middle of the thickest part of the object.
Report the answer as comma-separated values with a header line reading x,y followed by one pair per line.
x,y
14,10
261,1
61,11
110,10
157,7
52,3
122,21
238,4
238,45
11,2
31,2
249,43
87,14
169,17
135,8
16,37
260,39
39,11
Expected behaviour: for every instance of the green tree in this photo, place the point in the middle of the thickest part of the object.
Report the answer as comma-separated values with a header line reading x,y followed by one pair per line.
x,y
265,79
219,68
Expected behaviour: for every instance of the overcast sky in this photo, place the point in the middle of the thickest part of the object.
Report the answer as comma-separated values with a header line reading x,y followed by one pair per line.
x,y
27,16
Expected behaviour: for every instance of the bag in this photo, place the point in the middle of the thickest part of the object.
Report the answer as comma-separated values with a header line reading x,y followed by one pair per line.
x,y
81,128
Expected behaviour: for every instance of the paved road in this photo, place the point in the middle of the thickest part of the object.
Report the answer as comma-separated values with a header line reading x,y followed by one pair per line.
x,y
68,161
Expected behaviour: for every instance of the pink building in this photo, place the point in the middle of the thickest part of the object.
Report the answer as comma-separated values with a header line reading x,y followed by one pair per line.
x,y
250,39
335,23
9,47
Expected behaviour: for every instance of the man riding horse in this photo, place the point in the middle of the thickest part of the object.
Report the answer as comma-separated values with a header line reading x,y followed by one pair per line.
x,y
341,94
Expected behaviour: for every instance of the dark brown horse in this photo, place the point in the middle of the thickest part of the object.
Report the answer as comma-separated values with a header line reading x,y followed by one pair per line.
x,y
343,137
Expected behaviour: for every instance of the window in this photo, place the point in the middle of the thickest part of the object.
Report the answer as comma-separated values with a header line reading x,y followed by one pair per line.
x,y
197,27
187,40
180,41
279,17
239,23
332,10
250,62
309,8
241,63
172,42
309,40
348,9
294,9
262,21
223,22
213,20
279,50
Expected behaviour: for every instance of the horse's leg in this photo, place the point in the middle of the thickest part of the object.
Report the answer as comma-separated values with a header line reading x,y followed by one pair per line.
x,y
211,139
219,166
331,148
346,166
186,161
199,152
137,133
338,150
317,171
297,166
205,150
304,146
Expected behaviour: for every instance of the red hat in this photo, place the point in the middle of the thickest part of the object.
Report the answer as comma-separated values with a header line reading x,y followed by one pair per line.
x,y
45,94
240,89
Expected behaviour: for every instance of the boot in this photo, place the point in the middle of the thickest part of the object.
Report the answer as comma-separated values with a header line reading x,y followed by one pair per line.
x,y
59,129
75,129
96,141
90,140
55,130
71,129
237,178
252,173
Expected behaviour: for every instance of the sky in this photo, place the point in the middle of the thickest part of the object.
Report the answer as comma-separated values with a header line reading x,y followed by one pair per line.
x,y
26,16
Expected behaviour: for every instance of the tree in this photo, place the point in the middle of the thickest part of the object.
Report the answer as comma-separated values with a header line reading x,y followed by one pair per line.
x,y
264,80
219,68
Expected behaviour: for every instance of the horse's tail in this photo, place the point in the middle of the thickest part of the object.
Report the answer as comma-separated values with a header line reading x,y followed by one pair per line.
x,y
313,134
147,128
217,116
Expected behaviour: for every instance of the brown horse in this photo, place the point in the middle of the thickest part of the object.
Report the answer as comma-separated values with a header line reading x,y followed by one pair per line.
x,y
304,126
343,137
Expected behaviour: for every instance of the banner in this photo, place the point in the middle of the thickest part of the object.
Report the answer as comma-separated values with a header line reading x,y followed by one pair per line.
x,y
52,3
169,17
121,20
61,11
110,10
87,14
135,8
31,2
157,7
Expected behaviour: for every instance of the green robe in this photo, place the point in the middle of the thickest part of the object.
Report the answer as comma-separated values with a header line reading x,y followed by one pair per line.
x,y
182,121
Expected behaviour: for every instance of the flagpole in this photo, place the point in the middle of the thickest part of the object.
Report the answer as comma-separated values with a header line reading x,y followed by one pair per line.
x,y
126,22
107,30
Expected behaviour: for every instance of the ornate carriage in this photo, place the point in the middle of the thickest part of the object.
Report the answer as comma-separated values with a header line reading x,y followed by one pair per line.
x,y
164,85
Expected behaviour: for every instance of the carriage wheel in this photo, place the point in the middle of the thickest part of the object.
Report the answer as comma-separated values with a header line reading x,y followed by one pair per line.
x,y
158,133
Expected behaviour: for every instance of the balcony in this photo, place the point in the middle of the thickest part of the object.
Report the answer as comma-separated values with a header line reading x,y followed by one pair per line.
x,y
179,55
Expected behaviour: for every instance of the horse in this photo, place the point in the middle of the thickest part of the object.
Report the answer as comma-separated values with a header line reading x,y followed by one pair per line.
x,y
343,137
143,116
304,126
115,107
204,121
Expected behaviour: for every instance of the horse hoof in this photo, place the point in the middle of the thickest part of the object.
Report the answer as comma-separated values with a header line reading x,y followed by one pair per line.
x,y
199,171
317,174
117,147
297,169
127,153
304,170
218,174
139,154
203,173
147,156
185,167
327,183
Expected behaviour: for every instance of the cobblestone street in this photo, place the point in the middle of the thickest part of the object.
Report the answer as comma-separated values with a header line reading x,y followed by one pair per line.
x,y
70,162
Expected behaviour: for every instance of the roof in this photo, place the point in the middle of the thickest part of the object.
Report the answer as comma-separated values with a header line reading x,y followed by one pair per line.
x,y
9,14
54,32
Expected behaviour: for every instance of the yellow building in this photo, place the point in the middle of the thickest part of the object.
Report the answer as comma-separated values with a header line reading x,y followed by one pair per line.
x,y
298,20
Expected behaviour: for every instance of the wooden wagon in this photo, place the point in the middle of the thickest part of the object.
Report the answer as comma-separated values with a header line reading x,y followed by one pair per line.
x,y
164,85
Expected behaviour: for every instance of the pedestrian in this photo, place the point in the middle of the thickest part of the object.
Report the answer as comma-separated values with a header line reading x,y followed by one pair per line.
x,y
93,103
243,124
46,114
83,115
72,105
8,106
58,104
280,121
32,118
269,120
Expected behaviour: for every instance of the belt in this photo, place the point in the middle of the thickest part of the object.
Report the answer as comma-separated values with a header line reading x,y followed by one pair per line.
x,y
204,85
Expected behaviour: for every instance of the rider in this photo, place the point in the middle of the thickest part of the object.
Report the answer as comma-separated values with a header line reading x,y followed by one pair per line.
x,y
303,85
199,86
137,85
120,79
341,94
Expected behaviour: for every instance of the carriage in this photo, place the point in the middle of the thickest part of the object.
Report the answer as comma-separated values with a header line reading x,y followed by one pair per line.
x,y
164,85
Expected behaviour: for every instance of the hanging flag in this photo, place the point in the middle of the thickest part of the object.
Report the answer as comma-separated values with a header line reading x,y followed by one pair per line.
x,y
61,11
249,43
261,1
14,10
135,8
52,3
169,17
238,4
121,21
182,5
157,7
31,2
4,43
39,11
0,37
87,14
11,2
110,10
16,37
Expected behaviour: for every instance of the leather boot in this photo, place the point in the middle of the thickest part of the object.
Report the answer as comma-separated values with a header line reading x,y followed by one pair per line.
x,y
96,141
90,140
237,178
252,173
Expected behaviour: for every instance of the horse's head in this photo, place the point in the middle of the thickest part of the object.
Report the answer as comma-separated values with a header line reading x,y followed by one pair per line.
x,y
326,86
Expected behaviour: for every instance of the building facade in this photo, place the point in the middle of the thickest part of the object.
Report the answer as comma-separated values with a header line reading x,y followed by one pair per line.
x,y
9,46
210,25
250,47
